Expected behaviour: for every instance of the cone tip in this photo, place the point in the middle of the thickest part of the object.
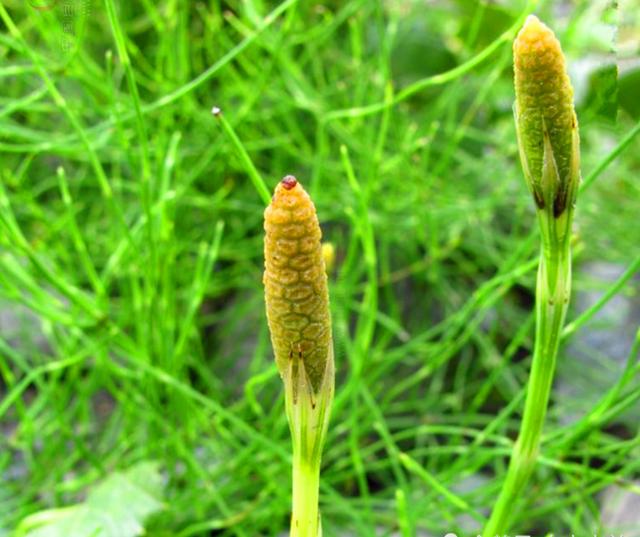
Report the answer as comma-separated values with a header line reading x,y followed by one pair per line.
x,y
533,28
289,182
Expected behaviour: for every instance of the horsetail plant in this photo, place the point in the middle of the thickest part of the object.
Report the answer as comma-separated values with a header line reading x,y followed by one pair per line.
x,y
548,140
297,301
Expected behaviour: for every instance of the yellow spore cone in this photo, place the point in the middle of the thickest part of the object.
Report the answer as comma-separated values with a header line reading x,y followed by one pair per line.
x,y
545,118
295,281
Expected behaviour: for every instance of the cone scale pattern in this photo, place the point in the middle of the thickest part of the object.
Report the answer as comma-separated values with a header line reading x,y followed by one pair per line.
x,y
545,119
295,281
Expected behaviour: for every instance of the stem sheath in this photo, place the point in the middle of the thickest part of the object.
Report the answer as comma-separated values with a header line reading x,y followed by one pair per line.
x,y
308,415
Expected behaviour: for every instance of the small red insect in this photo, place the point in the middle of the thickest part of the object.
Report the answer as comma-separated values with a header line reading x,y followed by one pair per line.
x,y
289,182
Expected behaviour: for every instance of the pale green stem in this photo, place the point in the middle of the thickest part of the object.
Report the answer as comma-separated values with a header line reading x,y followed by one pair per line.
x,y
553,288
305,517
308,415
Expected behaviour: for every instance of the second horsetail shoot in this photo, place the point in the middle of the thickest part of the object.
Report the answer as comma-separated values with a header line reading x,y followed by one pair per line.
x,y
547,131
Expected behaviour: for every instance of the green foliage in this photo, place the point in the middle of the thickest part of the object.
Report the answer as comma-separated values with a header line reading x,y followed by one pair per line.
x,y
132,318
117,507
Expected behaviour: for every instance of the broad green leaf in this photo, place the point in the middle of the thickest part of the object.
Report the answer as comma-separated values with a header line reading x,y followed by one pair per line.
x,y
117,507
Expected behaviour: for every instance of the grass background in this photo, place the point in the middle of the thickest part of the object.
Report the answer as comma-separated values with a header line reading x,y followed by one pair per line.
x,y
131,258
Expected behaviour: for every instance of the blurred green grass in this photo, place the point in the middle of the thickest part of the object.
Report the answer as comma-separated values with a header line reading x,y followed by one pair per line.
x,y
131,258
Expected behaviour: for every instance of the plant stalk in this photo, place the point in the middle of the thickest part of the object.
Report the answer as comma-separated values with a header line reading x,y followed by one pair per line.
x,y
305,516
553,288
308,415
